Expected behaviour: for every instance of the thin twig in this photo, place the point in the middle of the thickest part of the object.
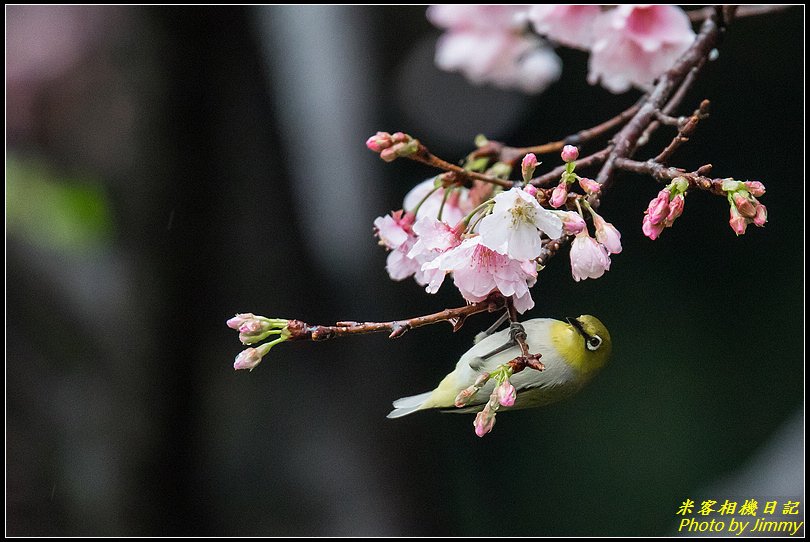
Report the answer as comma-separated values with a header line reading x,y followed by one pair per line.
x,y
424,156
687,128
301,331
697,15
661,172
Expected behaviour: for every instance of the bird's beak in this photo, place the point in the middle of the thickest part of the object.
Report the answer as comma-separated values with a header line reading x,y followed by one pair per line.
x,y
578,326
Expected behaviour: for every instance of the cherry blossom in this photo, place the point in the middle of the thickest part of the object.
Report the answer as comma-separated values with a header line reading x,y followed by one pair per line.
x,y
634,44
478,270
589,259
565,24
607,234
487,44
515,225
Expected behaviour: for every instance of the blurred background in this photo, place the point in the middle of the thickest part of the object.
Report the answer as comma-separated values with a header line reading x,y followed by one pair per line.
x,y
169,167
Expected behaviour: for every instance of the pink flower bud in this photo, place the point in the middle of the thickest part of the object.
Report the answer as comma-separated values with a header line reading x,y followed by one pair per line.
x,y
572,222
762,215
530,189
506,394
590,186
484,421
559,195
527,166
482,379
248,359
737,221
756,188
675,209
607,234
379,141
400,137
464,396
658,209
389,154
569,153
237,321
744,205
651,230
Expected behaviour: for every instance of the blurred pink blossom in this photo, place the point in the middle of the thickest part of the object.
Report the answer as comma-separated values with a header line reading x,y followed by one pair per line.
x,y
565,24
634,44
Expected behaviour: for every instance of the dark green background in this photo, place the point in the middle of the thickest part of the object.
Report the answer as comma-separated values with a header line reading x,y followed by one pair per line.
x,y
124,415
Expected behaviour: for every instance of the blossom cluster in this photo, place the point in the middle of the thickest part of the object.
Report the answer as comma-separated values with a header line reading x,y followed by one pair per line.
x,y
491,243
630,45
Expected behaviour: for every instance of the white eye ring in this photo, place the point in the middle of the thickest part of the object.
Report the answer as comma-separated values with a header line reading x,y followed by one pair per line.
x,y
593,343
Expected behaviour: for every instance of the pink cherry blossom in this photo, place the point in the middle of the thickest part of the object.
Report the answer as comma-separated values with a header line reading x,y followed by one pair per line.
x,y
634,44
433,238
559,195
589,259
675,209
607,234
487,45
399,265
478,270
394,229
744,205
515,225
565,24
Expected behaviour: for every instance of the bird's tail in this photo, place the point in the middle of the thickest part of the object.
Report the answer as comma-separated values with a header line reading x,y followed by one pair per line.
x,y
408,405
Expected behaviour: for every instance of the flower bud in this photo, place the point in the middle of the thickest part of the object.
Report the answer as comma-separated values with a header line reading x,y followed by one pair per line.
x,y
531,190
590,186
756,188
658,209
607,234
761,216
389,154
650,229
737,221
250,358
675,209
744,205
379,141
559,195
506,393
527,166
572,222
464,396
730,185
569,153
484,421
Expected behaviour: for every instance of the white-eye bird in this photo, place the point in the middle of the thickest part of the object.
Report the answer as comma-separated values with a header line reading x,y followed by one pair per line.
x,y
571,352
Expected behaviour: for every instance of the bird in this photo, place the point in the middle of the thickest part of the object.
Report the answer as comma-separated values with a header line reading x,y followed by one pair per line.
x,y
572,352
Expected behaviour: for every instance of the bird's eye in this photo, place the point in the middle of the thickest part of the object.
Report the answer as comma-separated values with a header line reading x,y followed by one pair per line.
x,y
594,342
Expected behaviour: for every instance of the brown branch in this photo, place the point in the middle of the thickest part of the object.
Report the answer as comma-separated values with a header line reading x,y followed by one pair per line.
x,y
687,128
301,331
424,156
663,173
697,15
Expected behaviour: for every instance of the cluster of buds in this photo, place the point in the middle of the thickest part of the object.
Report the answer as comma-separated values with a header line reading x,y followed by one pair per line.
x,y
559,195
253,329
392,146
665,208
744,206
504,394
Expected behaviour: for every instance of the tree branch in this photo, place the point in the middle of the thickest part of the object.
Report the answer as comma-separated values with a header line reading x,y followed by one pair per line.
x,y
301,331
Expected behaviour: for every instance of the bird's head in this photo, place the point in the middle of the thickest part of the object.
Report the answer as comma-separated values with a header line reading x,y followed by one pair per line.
x,y
584,342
